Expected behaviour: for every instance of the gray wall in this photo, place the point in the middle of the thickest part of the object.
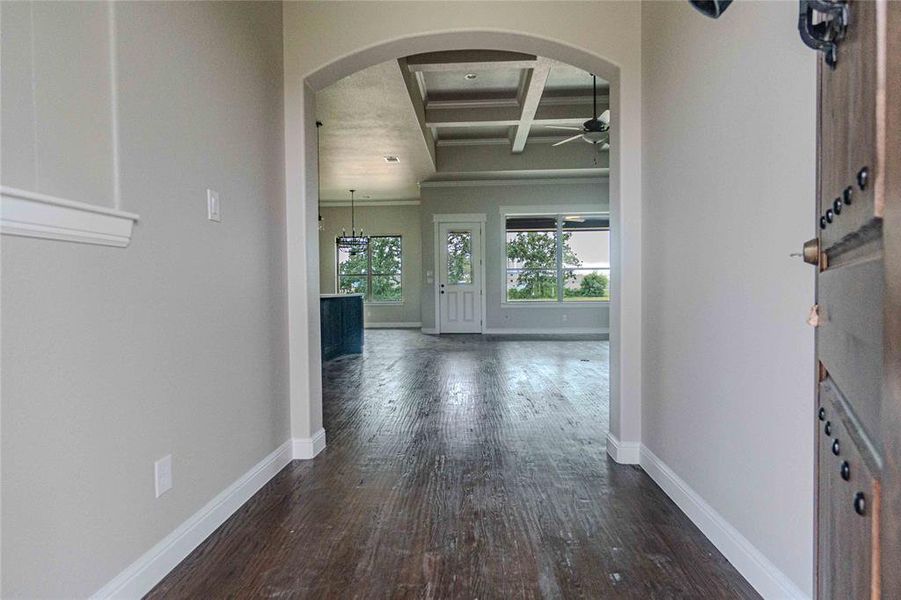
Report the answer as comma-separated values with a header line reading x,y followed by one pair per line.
x,y
728,357
113,358
378,220
476,197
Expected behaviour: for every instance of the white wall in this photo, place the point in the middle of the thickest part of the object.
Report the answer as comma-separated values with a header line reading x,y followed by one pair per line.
x,y
729,166
56,65
378,220
112,358
543,196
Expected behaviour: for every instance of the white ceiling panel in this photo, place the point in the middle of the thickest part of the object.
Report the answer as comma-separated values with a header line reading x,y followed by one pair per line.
x,y
366,117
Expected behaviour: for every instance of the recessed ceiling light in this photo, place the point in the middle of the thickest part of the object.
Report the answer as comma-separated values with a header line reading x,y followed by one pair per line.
x,y
392,159
470,76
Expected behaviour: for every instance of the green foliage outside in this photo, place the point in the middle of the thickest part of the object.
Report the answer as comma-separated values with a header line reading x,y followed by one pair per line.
x,y
535,254
459,257
594,285
376,272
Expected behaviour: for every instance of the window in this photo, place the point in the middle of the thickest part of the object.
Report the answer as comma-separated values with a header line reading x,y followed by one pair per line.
x,y
375,272
459,257
561,258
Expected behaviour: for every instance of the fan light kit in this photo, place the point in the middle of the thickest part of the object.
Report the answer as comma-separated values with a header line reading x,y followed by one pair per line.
x,y
354,244
596,129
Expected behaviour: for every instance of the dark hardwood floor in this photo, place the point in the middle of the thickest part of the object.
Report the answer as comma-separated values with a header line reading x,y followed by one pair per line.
x,y
460,467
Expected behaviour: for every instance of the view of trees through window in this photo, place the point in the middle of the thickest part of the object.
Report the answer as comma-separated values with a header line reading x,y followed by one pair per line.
x,y
558,258
375,272
459,257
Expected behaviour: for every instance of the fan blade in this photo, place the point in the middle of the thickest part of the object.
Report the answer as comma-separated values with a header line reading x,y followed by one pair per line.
x,y
562,127
604,117
605,146
561,142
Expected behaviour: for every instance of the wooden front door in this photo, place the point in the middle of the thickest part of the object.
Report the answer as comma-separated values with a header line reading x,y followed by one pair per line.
x,y
858,312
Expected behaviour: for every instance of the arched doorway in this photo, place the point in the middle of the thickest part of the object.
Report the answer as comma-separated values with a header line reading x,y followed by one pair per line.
x,y
303,251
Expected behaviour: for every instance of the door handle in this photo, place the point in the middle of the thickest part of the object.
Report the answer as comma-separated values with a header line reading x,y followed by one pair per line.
x,y
810,252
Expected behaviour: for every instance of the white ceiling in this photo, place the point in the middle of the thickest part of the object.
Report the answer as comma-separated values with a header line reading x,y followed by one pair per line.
x,y
366,117
442,125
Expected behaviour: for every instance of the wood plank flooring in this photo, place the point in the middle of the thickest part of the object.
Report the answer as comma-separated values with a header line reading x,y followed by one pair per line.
x,y
460,467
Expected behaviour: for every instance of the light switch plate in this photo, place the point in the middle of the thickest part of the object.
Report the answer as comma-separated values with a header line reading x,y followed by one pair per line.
x,y
162,475
212,206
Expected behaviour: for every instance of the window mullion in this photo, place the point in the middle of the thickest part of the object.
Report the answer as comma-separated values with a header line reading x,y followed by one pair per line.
x,y
369,272
559,258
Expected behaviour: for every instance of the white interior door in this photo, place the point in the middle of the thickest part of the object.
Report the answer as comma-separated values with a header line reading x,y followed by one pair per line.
x,y
460,277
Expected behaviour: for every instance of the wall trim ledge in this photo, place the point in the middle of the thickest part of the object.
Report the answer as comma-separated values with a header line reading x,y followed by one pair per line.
x,y
35,215
140,576
763,575
307,448
624,453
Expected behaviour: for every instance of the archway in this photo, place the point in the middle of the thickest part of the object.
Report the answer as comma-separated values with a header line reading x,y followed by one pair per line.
x,y
302,234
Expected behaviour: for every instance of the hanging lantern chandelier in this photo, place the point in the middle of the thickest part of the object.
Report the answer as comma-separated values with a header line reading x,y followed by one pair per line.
x,y
353,244
319,178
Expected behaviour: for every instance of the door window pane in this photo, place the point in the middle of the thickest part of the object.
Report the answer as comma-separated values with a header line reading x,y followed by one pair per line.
x,y
459,257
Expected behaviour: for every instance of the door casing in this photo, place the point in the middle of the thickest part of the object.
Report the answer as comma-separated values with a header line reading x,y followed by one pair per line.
x,y
473,218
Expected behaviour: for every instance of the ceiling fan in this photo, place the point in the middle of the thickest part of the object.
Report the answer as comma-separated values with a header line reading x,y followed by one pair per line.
x,y
596,129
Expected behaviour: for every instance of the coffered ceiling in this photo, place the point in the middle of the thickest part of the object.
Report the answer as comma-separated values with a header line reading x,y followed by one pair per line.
x,y
454,115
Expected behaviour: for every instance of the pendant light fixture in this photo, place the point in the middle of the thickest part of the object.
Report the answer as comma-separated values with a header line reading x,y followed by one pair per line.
x,y
319,178
353,244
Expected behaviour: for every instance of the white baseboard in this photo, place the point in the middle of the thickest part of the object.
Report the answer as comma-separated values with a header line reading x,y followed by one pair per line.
x,y
766,578
625,453
548,331
402,325
307,448
140,577
430,330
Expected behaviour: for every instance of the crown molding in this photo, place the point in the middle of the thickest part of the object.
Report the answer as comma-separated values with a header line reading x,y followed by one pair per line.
x,y
367,203
505,182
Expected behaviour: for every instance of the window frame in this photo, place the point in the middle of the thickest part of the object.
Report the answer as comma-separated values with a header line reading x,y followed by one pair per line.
x,y
559,268
368,275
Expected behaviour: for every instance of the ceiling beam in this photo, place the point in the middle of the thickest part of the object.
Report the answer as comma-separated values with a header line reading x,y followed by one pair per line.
x,y
470,60
510,116
536,78
575,156
415,94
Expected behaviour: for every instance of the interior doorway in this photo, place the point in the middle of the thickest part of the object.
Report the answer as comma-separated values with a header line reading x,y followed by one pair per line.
x,y
624,306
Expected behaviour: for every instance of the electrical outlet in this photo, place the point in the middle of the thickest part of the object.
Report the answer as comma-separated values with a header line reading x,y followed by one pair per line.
x,y
162,474
212,206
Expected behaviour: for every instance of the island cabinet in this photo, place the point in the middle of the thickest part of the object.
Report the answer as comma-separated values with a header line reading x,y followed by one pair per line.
x,y
341,323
